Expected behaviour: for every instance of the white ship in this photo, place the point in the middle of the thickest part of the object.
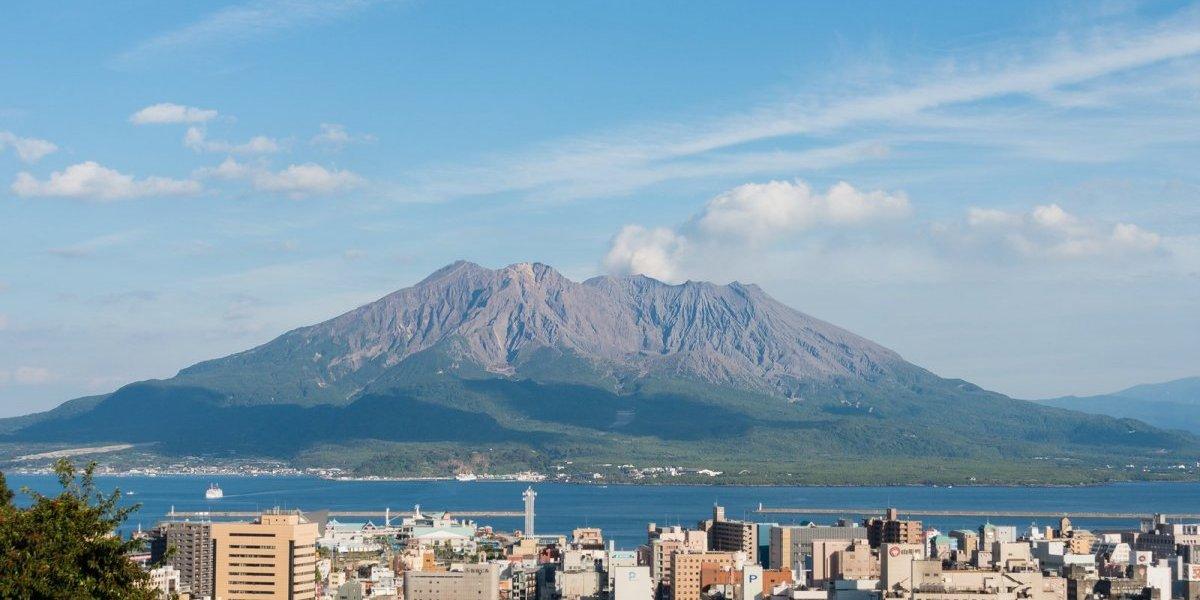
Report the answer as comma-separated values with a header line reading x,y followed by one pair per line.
x,y
466,477
214,492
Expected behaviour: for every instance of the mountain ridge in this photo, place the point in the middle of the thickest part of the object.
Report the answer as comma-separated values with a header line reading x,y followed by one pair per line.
x,y
523,365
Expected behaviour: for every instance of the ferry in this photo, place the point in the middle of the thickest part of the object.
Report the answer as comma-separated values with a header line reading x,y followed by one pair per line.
x,y
466,477
214,492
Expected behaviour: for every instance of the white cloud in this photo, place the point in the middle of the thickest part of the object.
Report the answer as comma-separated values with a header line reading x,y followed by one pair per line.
x,y
94,182
746,217
1048,232
336,137
196,138
25,375
912,110
760,211
169,113
29,150
652,252
294,181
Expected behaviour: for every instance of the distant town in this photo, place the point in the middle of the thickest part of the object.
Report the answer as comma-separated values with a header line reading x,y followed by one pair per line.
x,y
426,554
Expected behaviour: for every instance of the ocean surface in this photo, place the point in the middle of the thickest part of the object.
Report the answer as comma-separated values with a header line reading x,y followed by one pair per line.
x,y
623,511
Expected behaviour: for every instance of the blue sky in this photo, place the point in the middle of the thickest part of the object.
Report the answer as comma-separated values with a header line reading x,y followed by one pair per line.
x,y
1001,191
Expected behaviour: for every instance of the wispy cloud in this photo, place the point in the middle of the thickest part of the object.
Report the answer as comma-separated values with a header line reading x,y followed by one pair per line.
x,y
91,246
235,25
336,137
1054,76
28,149
197,139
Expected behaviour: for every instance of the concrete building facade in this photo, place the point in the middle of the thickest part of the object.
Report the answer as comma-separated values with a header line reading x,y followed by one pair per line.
x,y
273,558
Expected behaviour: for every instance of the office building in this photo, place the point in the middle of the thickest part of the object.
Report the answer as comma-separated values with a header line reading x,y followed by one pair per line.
x,y
473,582
271,558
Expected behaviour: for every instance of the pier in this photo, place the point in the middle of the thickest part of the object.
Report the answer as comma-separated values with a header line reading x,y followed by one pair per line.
x,y
353,514
1006,513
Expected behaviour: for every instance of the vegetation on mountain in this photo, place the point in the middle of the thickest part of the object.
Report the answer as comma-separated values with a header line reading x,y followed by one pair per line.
x,y
521,368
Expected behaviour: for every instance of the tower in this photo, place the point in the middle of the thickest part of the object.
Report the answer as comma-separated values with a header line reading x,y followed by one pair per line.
x,y
529,496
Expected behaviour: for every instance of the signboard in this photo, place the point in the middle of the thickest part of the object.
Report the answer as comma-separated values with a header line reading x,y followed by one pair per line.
x,y
1191,572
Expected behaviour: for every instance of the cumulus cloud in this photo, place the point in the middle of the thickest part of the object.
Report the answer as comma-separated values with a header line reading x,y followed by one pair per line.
x,y
1048,231
94,182
747,216
29,150
759,211
197,139
169,113
294,181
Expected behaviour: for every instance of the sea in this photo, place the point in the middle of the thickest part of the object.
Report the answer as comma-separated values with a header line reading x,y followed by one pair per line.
x,y
624,511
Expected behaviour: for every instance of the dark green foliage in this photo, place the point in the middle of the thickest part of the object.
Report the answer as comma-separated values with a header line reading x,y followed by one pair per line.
x,y
64,547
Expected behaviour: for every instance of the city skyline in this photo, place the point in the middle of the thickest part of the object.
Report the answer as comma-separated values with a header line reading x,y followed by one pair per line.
x,y
1003,194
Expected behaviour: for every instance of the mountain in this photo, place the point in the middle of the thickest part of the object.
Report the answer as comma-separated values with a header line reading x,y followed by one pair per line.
x,y
520,367
1170,405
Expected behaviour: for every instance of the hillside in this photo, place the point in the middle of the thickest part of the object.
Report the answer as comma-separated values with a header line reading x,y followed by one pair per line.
x,y
482,369
1170,405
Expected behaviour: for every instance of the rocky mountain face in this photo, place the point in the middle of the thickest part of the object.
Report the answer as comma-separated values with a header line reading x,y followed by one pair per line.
x,y
635,326
520,367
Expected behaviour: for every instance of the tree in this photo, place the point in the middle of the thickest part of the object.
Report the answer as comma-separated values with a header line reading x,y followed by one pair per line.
x,y
66,546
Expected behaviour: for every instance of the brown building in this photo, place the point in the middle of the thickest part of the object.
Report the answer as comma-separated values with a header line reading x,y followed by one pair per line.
x,y
271,558
725,535
891,530
686,569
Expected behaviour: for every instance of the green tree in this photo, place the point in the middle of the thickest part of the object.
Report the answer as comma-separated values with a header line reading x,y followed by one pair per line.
x,y
65,546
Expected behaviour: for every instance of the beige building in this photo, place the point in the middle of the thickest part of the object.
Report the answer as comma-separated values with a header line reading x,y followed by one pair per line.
x,y
271,558
474,582
686,569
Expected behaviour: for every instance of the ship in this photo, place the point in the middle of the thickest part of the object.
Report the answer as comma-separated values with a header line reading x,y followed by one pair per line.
x,y
466,477
214,492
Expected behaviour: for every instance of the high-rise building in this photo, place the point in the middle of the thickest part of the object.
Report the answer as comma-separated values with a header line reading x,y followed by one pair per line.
x,y
891,530
272,558
725,535
192,554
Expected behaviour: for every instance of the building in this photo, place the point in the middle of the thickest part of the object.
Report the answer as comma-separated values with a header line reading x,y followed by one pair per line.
x,y
473,582
632,583
725,535
792,544
165,581
193,555
687,566
891,530
271,558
